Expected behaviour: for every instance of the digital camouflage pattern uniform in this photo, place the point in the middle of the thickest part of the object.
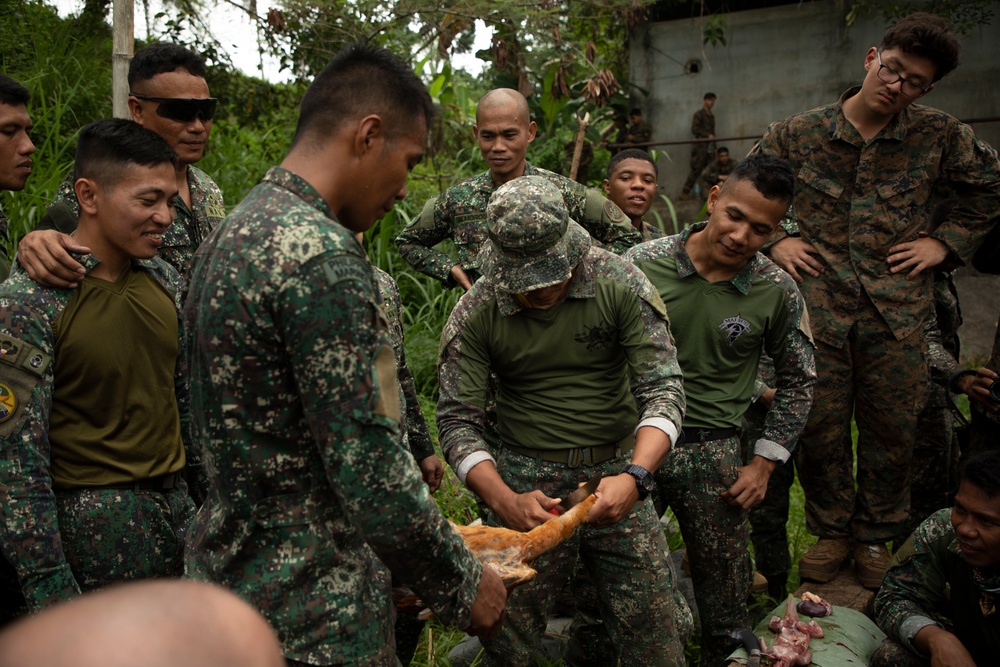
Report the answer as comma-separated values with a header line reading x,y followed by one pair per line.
x,y
640,133
75,521
607,343
190,227
720,329
459,214
710,174
853,201
702,126
296,406
929,583
650,232
415,436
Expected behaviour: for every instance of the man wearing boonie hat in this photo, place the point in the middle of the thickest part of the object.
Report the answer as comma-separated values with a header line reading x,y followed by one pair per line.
x,y
588,383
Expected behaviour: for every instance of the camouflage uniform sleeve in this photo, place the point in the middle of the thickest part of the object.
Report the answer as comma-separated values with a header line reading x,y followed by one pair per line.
x,y
463,370
939,361
915,585
789,344
65,196
328,316
602,219
416,242
30,538
972,169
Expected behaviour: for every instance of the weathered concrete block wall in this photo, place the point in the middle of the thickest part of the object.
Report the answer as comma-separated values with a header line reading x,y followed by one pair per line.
x,y
777,62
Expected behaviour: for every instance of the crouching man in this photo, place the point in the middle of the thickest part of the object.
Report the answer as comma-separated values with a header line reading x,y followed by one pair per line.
x,y
588,382
93,432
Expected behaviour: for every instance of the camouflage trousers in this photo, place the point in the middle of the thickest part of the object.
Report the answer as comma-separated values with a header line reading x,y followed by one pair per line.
x,y
935,461
691,481
883,382
891,653
112,535
701,155
384,658
769,519
626,563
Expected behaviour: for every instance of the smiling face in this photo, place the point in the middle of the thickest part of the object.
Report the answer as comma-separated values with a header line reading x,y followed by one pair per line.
x,y
16,147
976,520
885,100
632,187
741,221
187,138
504,132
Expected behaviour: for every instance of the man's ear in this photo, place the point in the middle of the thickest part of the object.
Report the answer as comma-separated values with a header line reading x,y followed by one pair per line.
x,y
607,187
871,58
713,196
88,193
370,131
135,108
532,129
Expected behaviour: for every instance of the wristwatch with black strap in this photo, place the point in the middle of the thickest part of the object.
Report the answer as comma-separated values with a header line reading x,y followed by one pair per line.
x,y
643,479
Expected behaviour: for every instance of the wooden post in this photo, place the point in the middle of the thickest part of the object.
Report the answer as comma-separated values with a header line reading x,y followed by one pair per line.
x,y
122,49
578,147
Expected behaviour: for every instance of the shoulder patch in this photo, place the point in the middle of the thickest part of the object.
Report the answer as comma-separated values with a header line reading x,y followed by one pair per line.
x,y
341,269
613,212
8,402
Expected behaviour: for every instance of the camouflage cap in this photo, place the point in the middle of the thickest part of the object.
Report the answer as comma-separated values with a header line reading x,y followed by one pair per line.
x,y
533,243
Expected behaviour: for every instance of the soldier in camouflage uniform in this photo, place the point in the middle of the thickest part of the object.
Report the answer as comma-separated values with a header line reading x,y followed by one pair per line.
x,y
93,384
718,170
939,601
729,303
984,431
631,184
295,396
580,345
639,132
866,167
702,127
503,129
16,150
169,95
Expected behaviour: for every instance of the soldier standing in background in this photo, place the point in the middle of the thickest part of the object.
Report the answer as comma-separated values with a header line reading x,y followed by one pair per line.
x,y
639,132
295,394
702,127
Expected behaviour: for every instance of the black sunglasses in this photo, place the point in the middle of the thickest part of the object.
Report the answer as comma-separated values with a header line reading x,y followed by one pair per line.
x,y
184,109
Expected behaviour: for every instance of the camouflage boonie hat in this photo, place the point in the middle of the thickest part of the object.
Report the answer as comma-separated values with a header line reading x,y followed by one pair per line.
x,y
533,243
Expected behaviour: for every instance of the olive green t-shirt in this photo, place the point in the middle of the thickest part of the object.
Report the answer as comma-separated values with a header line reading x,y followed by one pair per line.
x,y
114,411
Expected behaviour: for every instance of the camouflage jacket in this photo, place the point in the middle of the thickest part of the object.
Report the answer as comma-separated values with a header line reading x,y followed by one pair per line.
x,y
190,227
296,405
649,359
941,329
784,336
854,200
703,124
650,232
30,528
412,425
710,174
4,240
640,133
460,215
929,583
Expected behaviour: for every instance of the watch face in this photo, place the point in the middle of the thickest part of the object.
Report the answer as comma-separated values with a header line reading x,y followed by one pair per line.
x,y
647,482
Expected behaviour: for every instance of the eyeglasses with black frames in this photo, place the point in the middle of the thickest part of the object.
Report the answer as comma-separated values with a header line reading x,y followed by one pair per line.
x,y
888,75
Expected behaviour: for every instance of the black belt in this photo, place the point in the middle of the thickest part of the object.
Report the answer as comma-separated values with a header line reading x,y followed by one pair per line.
x,y
158,483
577,456
706,434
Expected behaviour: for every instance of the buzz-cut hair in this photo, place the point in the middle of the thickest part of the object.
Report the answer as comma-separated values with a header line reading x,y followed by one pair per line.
x,y
982,471
163,57
721,149
771,176
709,96
630,153
107,147
928,36
364,79
12,92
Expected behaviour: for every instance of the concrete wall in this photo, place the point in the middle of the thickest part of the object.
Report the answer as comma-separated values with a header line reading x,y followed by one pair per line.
x,y
777,62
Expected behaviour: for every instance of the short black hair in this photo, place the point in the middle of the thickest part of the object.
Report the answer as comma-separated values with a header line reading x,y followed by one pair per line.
x,y
364,79
709,96
634,153
107,146
982,471
162,57
928,36
12,92
721,149
771,176
636,111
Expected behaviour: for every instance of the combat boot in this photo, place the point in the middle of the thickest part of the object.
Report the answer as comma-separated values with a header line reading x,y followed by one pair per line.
x,y
871,561
822,562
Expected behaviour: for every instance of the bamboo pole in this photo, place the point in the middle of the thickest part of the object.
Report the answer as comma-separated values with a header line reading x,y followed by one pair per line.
x,y
578,147
122,49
